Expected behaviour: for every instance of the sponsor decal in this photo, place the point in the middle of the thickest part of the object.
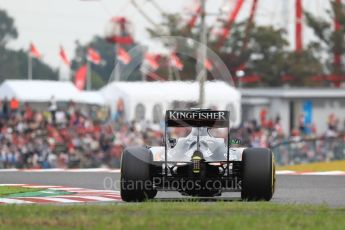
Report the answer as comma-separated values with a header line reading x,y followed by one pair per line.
x,y
191,115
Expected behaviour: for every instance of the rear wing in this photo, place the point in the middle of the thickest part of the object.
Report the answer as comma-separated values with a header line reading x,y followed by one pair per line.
x,y
197,118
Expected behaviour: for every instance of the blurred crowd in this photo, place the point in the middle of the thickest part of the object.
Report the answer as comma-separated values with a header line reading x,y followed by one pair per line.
x,y
63,138
70,138
303,145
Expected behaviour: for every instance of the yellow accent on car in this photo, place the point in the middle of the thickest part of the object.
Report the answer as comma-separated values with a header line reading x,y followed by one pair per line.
x,y
273,174
196,158
196,164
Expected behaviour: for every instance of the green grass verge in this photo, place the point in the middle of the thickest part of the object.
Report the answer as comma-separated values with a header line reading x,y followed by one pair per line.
x,y
173,215
316,167
8,190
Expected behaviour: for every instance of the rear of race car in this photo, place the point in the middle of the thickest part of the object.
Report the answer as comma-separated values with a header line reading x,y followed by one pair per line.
x,y
198,165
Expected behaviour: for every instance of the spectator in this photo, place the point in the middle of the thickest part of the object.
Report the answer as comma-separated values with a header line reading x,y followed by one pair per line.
x,y
5,109
28,113
58,138
52,109
33,139
14,104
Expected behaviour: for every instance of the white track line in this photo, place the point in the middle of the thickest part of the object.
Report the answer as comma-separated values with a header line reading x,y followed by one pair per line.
x,y
89,170
285,172
9,170
97,170
82,195
69,189
58,199
41,186
42,170
82,190
94,198
62,170
14,201
112,191
96,192
326,173
13,184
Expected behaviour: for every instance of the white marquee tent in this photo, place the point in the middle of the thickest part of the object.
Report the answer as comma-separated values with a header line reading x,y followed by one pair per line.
x,y
149,98
43,90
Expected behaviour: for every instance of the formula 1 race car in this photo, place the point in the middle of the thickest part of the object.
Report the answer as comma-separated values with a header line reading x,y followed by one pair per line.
x,y
199,164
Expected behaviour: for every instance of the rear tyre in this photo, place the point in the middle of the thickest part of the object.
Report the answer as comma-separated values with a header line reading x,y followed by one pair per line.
x,y
136,178
258,174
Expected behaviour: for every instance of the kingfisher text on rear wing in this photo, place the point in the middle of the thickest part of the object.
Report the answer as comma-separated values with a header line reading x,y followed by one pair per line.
x,y
197,118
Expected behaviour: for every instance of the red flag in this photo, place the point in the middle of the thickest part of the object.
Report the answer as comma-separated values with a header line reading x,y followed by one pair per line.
x,y
93,56
152,60
226,29
34,51
176,62
64,57
208,64
192,21
123,56
80,77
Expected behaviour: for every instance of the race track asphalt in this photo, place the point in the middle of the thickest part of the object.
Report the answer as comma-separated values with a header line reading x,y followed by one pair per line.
x,y
293,189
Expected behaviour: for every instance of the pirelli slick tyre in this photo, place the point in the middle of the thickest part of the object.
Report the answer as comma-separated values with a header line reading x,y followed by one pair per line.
x,y
136,179
258,174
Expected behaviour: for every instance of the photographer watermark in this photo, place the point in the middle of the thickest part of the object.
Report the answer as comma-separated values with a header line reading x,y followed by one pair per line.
x,y
182,184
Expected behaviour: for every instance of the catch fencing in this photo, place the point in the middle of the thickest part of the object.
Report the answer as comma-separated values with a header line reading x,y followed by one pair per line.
x,y
308,150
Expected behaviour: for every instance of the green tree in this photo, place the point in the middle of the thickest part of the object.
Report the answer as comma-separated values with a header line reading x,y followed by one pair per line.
x,y
272,61
14,63
7,29
267,55
302,67
330,41
265,52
